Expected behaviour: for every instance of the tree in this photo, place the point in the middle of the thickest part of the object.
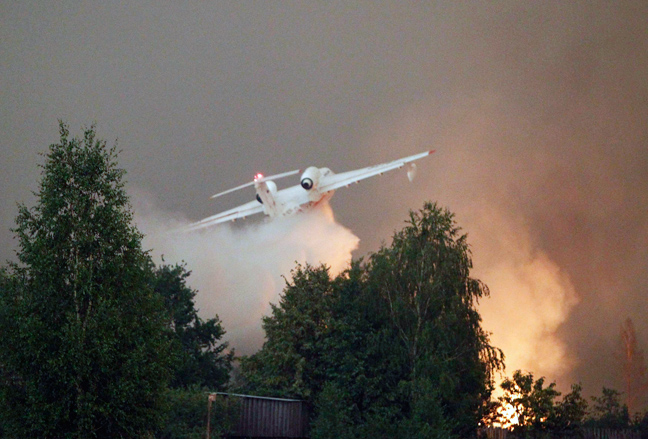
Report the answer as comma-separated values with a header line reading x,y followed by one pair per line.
x,y
335,418
640,424
423,283
292,361
396,340
188,411
571,411
202,361
608,412
85,351
532,405
532,410
634,368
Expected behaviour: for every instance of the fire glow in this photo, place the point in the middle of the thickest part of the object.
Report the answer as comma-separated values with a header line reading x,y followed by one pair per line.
x,y
507,416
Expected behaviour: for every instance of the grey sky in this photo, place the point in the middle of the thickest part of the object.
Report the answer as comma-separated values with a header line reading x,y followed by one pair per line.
x,y
538,111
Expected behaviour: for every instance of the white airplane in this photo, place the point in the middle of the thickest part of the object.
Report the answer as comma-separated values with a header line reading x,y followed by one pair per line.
x,y
317,185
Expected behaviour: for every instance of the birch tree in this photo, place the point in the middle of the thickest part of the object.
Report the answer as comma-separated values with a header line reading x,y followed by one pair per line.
x,y
423,282
85,351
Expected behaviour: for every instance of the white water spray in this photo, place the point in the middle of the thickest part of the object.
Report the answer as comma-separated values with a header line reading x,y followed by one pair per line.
x,y
238,272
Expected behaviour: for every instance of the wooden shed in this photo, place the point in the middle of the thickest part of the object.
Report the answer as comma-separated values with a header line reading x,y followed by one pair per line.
x,y
264,417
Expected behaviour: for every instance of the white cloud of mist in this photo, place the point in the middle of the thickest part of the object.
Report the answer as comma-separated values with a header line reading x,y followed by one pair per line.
x,y
238,271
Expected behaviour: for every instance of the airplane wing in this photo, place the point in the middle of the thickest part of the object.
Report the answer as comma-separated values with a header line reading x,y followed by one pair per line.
x,y
241,211
336,181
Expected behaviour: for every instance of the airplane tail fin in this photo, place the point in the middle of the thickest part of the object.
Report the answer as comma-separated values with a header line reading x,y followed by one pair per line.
x,y
259,178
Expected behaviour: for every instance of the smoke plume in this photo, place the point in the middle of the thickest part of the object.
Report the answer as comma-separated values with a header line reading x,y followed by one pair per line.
x,y
531,297
542,155
538,112
238,272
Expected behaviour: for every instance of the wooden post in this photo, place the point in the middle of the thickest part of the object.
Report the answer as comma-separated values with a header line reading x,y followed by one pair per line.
x,y
210,399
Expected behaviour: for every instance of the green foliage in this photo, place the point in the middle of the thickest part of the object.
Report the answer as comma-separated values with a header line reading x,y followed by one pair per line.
x,y
640,424
392,347
187,414
537,413
291,363
335,418
571,411
608,411
85,350
533,403
428,419
423,284
201,360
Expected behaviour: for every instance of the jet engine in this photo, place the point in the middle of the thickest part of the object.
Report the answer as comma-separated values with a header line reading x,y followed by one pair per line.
x,y
310,178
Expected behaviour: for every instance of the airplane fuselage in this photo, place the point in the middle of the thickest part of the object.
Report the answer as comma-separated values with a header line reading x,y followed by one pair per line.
x,y
291,200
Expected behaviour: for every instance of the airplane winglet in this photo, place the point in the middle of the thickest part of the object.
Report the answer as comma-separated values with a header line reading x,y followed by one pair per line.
x,y
411,172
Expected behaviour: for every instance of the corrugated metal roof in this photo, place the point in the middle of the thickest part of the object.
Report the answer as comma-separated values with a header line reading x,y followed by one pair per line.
x,y
256,397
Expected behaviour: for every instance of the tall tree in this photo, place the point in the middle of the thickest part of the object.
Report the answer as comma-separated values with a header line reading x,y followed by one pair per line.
x,y
85,350
634,369
396,341
423,282
202,359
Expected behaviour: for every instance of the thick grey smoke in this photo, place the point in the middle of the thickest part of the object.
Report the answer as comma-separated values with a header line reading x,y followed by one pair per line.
x,y
531,296
538,112
577,173
545,161
240,271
